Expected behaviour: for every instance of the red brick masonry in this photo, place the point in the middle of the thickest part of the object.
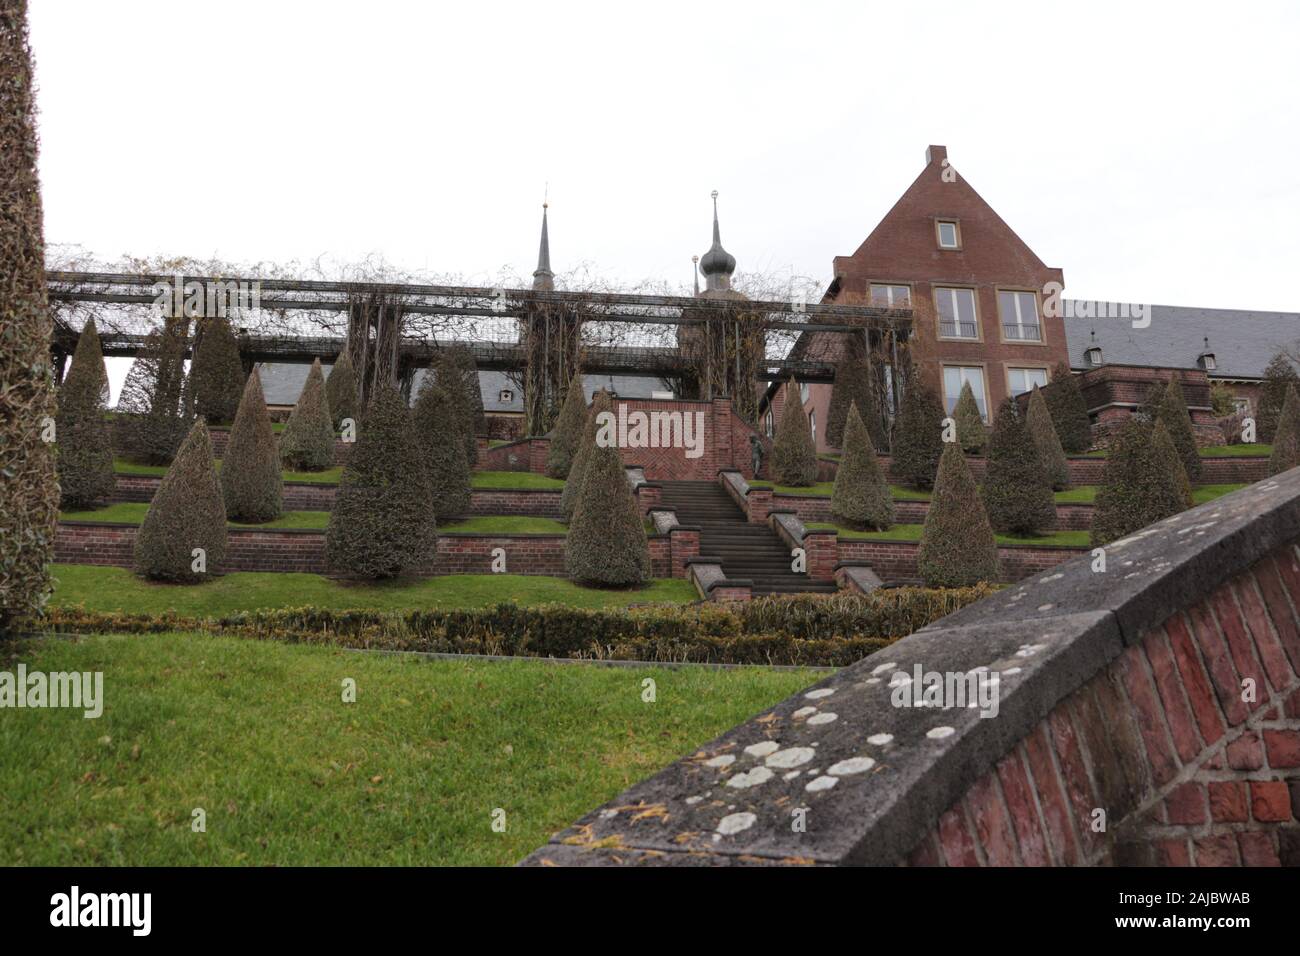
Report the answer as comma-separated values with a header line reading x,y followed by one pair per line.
x,y
1188,773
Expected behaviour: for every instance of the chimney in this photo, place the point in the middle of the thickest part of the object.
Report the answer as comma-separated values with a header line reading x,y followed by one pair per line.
x,y
935,154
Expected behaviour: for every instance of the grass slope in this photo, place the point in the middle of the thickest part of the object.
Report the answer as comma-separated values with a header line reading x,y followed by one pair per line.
x,y
256,734
912,532
117,589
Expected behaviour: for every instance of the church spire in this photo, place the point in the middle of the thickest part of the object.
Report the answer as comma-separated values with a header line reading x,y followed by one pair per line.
x,y
544,278
717,264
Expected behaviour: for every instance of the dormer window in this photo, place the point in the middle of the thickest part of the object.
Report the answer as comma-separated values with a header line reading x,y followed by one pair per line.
x,y
1207,361
505,396
949,233
1093,356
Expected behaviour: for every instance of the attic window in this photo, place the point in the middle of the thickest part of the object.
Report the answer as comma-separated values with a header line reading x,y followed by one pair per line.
x,y
1207,361
505,396
1093,356
949,234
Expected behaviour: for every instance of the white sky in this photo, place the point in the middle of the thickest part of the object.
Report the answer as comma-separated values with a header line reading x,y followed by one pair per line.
x,y
1148,149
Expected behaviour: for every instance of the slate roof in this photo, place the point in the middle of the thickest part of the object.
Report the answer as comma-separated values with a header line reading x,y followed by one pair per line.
x,y
282,382
1242,341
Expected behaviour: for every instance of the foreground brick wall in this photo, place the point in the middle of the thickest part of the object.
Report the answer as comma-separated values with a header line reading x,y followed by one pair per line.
x,y
1120,734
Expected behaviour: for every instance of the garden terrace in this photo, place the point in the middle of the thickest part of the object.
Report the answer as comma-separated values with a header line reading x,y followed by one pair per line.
x,y
1119,691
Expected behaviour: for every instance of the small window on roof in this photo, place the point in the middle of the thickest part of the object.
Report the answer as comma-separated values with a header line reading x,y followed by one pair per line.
x,y
1093,356
506,396
1208,362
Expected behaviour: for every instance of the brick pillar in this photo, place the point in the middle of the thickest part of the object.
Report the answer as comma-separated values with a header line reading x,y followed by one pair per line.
x,y
647,497
823,553
683,543
758,503
720,439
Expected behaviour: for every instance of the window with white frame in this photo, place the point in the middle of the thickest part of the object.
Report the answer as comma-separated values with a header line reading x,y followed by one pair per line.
x,y
954,377
1021,380
769,424
803,392
956,309
812,426
1093,355
505,396
1019,314
885,296
949,236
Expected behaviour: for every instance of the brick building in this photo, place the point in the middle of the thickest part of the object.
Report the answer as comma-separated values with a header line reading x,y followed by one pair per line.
x,y
988,312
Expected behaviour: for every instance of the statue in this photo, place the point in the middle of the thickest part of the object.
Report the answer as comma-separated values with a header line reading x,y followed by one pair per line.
x,y
756,453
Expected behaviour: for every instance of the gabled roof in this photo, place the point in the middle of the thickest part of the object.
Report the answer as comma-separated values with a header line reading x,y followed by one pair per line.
x,y
1241,341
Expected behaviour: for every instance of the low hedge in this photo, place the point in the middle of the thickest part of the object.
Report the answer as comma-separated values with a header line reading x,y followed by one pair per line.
x,y
802,630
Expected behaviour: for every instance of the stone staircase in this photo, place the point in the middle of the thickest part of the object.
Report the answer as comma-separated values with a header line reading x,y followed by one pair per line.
x,y
749,551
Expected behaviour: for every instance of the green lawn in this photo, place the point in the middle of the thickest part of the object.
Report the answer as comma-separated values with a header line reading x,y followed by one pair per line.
x,y
515,480
330,476
824,488
117,589
1237,451
257,736
912,532
496,480
506,524
1087,494
134,512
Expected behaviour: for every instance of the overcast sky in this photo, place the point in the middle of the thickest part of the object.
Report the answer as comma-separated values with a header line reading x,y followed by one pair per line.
x,y
1149,150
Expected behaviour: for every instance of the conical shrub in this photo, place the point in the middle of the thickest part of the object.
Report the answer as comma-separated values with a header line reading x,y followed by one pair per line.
x,y
463,359
83,435
957,545
918,437
1286,435
29,492
1043,432
1017,493
250,470
1279,375
341,390
307,442
183,536
382,523
1069,410
794,456
853,386
156,406
1144,482
443,452
606,545
217,373
861,498
451,379
1173,414
567,432
600,402
971,433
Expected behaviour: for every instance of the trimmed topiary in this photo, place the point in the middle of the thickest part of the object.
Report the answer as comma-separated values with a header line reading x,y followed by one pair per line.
x,y
957,545
1144,482
187,514
1279,375
382,523
250,471
1069,410
606,545
156,406
1178,422
84,437
1150,407
451,379
341,390
1286,435
463,359
1043,432
29,491
567,432
1017,491
918,438
217,373
307,442
794,456
853,386
971,433
860,498
443,452
600,402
